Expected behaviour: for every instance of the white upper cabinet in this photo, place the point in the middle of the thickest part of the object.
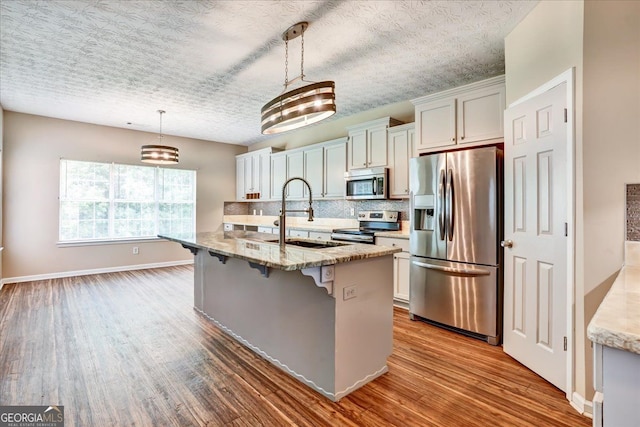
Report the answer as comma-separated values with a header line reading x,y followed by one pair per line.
x,y
437,123
240,190
324,167
253,171
335,165
401,146
295,168
468,115
278,174
314,171
367,147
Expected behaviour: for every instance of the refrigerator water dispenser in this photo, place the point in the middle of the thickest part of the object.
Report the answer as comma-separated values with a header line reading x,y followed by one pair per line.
x,y
423,212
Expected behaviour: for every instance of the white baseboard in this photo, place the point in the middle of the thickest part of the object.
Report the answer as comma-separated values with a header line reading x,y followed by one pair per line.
x,y
61,274
584,407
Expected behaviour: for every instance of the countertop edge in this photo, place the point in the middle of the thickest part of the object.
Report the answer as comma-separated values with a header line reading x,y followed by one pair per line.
x,y
601,330
328,258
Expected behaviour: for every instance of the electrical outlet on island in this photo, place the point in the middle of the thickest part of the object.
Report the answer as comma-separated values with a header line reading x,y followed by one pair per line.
x,y
136,251
349,292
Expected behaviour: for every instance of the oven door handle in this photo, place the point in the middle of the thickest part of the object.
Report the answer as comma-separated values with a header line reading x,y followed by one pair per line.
x,y
350,237
464,271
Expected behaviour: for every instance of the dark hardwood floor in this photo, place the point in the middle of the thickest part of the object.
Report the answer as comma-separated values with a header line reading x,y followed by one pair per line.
x,y
128,349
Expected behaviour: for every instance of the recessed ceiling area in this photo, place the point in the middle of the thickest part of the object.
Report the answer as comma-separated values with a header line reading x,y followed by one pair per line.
x,y
212,65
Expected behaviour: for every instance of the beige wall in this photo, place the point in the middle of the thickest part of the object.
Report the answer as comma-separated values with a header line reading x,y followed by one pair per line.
x,y
599,39
332,129
610,144
33,146
1,162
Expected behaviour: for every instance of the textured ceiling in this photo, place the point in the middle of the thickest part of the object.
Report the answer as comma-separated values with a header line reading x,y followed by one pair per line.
x,y
213,64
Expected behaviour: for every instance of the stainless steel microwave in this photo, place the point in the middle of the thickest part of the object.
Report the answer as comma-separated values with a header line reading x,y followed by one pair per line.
x,y
365,184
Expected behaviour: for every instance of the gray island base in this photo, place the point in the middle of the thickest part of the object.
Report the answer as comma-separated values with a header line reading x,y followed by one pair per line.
x,y
329,325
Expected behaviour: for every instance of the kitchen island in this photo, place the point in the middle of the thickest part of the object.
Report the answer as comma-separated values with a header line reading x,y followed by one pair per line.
x,y
323,315
615,332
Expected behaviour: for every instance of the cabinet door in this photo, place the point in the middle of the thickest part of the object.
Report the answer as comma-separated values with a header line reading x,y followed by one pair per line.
x,y
335,165
278,175
295,168
480,115
264,174
377,147
357,149
249,175
436,124
313,170
320,235
401,276
399,153
240,194
298,233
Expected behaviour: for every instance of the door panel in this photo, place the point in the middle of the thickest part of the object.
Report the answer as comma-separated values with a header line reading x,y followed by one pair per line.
x,y
313,171
427,175
535,216
455,294
473,198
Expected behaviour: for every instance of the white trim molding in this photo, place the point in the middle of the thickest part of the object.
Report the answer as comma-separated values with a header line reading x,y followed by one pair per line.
x,y
584,407
58,275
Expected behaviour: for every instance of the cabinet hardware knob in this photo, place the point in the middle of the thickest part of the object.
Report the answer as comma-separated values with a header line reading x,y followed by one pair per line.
x,y
364,164
462,137
453,139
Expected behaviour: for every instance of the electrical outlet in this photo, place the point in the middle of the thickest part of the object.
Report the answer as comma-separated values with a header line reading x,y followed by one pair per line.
x,y
352,212
349,292
136,251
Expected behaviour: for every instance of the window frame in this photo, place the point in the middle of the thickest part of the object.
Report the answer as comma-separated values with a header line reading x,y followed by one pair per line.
x,y
113,201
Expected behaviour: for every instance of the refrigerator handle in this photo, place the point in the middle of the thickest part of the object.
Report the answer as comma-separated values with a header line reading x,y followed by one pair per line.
x,y
465,271
441,208
450,206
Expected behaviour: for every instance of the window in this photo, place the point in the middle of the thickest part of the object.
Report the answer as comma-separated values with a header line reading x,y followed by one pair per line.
x,y
107,201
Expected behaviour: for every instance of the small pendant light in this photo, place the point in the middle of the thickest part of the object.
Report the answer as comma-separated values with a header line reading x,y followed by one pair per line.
x,y
159,154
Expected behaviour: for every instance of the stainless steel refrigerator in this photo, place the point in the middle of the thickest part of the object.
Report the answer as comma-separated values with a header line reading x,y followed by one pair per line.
x,y
456,227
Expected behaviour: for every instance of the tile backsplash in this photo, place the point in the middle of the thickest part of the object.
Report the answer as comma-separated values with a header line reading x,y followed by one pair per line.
x,y
633,212
322,208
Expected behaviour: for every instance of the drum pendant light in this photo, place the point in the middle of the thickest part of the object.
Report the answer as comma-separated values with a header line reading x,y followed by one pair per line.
x,y
159,154
302,106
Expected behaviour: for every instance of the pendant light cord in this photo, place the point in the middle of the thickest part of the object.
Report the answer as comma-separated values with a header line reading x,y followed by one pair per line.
x,y
286,61
161,113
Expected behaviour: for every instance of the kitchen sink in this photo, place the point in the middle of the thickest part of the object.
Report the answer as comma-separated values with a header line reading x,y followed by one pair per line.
x,y
310,244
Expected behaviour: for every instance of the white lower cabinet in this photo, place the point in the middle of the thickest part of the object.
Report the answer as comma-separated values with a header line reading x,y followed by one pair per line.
x,y
400,266
298,233
616,379
319,235
401,276
270,230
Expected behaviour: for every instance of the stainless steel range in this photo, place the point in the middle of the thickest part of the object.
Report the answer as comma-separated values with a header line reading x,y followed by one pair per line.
x,y
370,223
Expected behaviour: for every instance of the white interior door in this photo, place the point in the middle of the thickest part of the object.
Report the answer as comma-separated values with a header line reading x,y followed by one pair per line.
x,y
535,254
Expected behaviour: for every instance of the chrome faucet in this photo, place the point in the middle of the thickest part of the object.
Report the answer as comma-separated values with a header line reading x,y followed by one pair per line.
x,y
283,210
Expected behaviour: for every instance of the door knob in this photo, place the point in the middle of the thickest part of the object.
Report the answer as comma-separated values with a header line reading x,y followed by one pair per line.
x,y
506,243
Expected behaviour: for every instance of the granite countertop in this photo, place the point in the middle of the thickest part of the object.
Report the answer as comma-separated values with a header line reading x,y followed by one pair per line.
x,y
251,246
401,234
326,225
616,323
